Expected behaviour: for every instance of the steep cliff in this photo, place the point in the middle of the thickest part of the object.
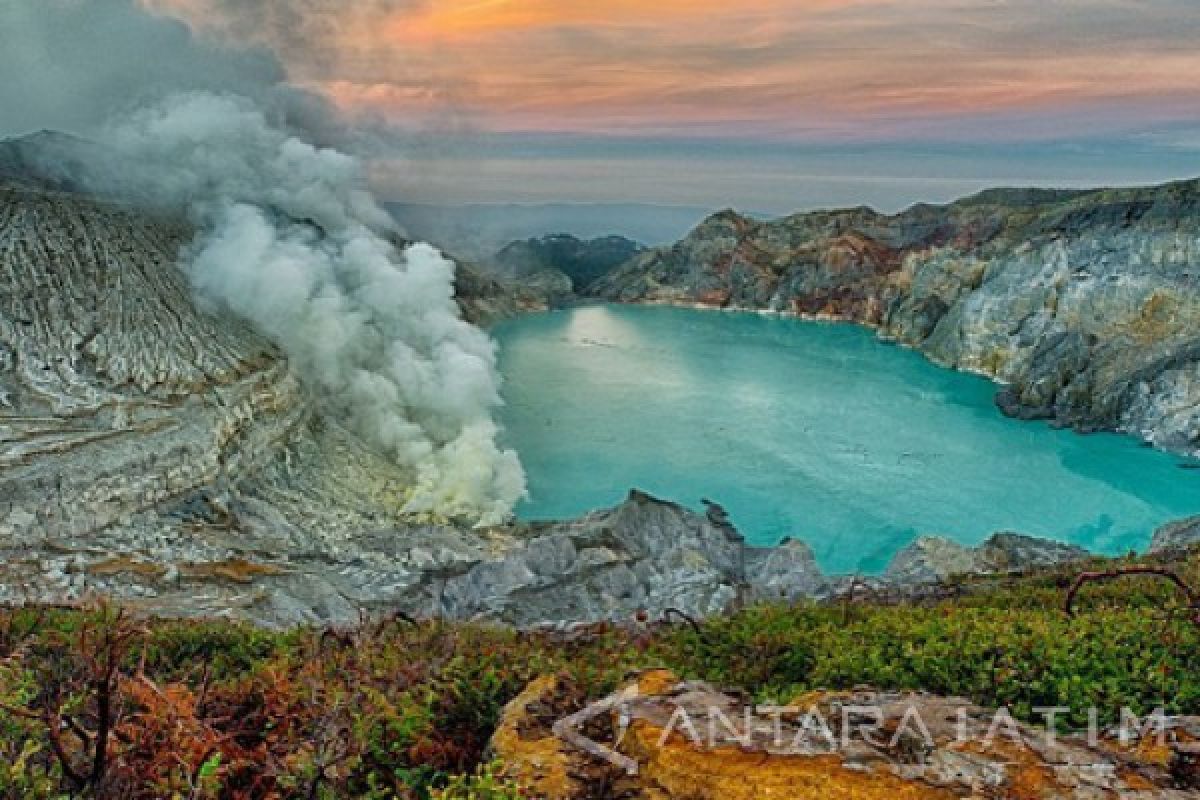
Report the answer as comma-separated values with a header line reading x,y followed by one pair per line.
x,y
116,391
1085,304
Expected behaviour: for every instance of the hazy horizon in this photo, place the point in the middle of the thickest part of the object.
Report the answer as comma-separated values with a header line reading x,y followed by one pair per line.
x,y
774,105
771,105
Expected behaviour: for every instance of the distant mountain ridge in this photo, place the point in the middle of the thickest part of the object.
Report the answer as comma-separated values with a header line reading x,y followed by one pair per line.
x,y
477,231
583,262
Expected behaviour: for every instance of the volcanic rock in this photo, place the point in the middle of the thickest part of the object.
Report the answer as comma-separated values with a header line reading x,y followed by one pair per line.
x,y
660,737
1085,305
169,456
932,559
1175,536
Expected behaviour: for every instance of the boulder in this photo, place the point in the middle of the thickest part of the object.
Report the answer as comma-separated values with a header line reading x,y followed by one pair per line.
x,y
660,737
1016,552
786,572
932,559
1174,536
525,743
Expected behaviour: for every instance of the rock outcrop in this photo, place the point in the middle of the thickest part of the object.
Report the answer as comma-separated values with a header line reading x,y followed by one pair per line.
x,y
485,300
1176,536
1084,304
788,572
645,554
932,559
663,738
117,393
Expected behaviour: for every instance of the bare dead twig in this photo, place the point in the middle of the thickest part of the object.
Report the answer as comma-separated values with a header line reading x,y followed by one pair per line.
x,y
339,637
396,618
683,615
102,646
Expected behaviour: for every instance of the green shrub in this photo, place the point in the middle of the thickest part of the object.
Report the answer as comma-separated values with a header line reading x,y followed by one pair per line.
x,y
398,712
486,783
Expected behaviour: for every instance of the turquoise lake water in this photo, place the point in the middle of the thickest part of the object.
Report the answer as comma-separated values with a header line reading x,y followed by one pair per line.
x,y
812,430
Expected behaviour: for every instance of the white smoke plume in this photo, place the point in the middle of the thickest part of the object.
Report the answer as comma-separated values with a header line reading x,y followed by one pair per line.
x,y
288,237
291,240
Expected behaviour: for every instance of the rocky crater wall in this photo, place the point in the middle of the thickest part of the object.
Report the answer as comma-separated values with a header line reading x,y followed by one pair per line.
x,y
169,457
1085,305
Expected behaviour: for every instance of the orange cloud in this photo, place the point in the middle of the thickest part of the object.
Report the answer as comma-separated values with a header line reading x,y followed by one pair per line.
x,y
784,67
461,18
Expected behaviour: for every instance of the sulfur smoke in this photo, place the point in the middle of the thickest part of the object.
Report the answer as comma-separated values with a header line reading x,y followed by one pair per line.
x,y
288,236
291,240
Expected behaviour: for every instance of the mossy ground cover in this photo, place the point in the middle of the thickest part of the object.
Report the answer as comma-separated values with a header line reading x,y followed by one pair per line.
x,y
99,703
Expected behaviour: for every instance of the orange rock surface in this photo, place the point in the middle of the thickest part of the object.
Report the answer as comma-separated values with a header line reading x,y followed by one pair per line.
x,y
957,750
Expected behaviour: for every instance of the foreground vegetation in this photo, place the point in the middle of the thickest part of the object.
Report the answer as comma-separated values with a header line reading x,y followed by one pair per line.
x,y
97,703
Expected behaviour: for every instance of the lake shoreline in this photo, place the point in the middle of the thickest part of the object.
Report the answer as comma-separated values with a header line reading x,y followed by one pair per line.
x,y
660,351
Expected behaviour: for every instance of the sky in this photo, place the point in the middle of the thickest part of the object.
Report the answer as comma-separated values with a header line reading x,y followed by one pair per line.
x,y
769,105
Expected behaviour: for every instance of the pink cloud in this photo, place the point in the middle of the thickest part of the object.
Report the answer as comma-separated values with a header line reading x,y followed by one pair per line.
x,y
780,68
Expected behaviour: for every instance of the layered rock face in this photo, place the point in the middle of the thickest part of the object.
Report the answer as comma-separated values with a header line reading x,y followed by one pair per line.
x,y
116,392
129,417
1086,305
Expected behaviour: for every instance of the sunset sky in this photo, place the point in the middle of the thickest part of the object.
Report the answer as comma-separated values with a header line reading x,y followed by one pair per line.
x,y
766,104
